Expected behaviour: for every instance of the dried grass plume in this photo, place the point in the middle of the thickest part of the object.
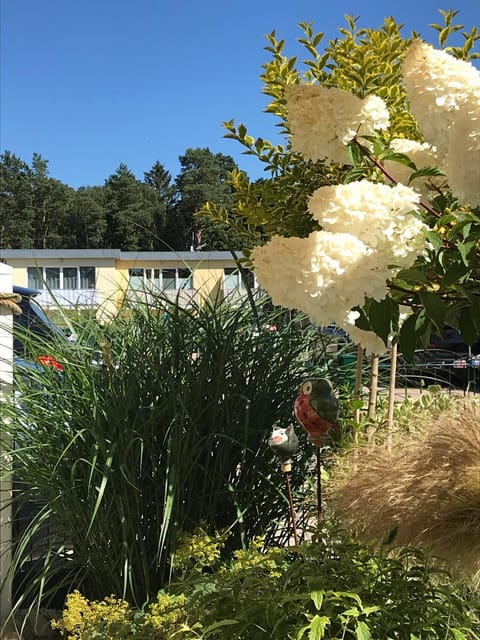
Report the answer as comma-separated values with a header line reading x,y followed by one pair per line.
x,y
428,488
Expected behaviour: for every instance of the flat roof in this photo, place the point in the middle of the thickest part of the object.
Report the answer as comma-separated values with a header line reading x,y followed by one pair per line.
x,y
115,254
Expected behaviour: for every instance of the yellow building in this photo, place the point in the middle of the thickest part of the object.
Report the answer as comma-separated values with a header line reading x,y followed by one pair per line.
x,y
104,278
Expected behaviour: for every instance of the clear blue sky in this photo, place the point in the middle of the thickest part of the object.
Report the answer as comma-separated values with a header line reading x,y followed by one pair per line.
x,y
89,84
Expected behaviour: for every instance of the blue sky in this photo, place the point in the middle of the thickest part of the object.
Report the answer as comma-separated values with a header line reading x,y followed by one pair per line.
x,y
89,84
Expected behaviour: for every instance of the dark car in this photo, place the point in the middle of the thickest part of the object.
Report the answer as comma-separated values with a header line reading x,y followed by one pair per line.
x,y
452,340
442,367
30,324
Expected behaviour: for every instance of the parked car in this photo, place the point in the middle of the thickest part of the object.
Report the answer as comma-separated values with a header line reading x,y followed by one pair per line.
x,y
452,340
436,366
34,323
442,367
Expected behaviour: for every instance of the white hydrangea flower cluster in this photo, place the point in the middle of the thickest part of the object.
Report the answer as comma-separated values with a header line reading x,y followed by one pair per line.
x,y
323,120
444,95
378,214
369,228
463,158
422,155
305,273
438,87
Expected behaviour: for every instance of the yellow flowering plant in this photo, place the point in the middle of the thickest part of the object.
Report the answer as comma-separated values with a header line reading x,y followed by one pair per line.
x,y
382,143
328,588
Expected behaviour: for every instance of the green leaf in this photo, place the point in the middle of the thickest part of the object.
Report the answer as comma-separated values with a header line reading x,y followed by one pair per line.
x,y
414,275
426,171
408,338
464,249
362,632
362,322
434,308
317,627
401,158
219,624
455,273
317,597
435,239
354,153
467,327
423,328
380,316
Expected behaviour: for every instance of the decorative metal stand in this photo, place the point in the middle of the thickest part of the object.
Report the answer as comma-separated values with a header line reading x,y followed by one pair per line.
x,y
319,486
316,410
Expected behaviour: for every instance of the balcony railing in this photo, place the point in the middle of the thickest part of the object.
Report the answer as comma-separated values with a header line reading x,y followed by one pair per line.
x,y
69,298
148,295
91,298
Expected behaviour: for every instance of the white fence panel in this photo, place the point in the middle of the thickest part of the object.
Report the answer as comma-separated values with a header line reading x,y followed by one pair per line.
x,y
6,378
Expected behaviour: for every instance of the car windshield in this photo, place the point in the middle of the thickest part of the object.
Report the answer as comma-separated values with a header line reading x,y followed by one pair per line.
x,y
35,321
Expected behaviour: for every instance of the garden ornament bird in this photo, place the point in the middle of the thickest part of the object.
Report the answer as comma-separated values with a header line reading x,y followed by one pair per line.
x,y
284,443
316,410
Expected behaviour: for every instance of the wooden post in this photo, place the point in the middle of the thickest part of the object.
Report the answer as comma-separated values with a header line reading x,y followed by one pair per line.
x,y
391,395
6,379
372,399
358,383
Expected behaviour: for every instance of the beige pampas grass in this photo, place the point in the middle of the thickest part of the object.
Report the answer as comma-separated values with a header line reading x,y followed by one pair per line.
x,y
428,488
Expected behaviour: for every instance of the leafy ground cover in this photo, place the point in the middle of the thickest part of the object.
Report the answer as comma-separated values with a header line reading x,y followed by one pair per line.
x,y
329,588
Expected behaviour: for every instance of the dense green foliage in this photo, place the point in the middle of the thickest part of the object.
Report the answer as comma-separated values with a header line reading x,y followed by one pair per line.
x,y
330,588
37,211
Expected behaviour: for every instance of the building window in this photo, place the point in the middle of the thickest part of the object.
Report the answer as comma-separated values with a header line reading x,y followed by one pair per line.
x,y
87,277
61,278
184,279
52,277
35,278
168,279
232,279
162,279
70,278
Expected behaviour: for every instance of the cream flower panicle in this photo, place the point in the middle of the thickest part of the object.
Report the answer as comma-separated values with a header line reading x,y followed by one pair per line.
x,y
323,120
324,275
463,157
438,86
378,214
303,273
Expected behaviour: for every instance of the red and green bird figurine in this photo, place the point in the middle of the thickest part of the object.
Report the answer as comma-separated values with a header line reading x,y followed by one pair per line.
x,y
316,410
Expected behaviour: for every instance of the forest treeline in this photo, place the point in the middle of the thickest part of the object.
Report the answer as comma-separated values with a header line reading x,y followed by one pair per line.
x,y
156,214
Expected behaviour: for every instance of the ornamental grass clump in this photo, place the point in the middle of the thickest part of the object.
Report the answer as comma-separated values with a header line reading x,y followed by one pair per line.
x,y
426,490
167,428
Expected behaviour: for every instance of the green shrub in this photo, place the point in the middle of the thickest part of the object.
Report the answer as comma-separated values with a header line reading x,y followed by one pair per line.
x,y
331,588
